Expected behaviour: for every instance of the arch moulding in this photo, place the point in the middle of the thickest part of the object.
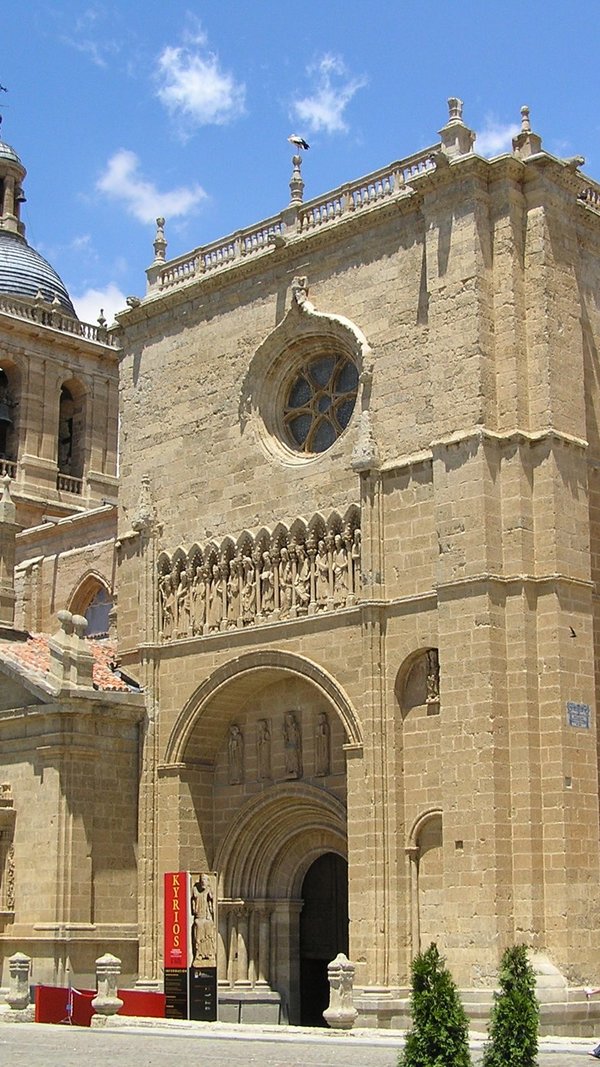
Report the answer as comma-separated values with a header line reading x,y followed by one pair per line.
x,y
262,663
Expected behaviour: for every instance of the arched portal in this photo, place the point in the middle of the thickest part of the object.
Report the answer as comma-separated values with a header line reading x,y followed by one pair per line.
x,y
261,772
323,932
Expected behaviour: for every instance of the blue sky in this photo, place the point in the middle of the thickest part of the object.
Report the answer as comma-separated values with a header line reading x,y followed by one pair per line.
x,y
124,110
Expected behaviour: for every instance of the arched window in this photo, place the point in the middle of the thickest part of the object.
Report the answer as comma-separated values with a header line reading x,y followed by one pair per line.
x,y
93,599
97,613
71,430
5,415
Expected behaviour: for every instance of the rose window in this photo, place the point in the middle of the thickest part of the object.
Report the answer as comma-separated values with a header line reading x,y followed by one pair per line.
x,y
320,402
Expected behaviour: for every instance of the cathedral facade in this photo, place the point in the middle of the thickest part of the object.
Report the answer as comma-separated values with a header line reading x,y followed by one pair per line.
x,y
355,577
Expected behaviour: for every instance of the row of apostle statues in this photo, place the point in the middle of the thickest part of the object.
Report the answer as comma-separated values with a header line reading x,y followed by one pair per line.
x,y
282,579
291,738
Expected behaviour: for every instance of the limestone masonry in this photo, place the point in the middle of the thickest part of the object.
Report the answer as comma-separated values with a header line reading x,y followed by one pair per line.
x,y
353,573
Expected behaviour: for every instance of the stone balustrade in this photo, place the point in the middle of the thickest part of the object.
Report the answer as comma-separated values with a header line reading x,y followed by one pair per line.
x,y
381,185
45,314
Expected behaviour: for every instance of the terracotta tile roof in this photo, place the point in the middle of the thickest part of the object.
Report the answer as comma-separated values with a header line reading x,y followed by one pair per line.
x,y
35,654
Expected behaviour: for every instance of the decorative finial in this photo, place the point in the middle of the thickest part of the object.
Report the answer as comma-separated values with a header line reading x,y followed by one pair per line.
x,y
6,497
296,181
160,243
526,143
455,109
101,320
457,138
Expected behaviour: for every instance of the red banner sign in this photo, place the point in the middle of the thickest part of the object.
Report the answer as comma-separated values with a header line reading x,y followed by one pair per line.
x,y
177,895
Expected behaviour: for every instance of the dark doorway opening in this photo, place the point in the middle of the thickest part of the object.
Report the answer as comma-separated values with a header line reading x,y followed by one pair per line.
x,y
323,932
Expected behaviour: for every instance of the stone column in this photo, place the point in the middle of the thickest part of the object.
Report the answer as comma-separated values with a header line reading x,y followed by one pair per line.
x,y
242,948
222,946
264,923
415,933
8,531
108,970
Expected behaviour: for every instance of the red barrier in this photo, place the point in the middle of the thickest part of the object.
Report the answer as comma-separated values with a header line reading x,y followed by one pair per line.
x,y
58,1004
139,1002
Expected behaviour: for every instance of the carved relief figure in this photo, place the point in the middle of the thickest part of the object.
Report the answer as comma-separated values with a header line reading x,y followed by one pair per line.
x,y
204,934
322,575
263,749
235,750
216,595
167,604
267,588
322,745
281,576
340,571
183,606
286,575
292,745
433,677
248,590
233,592
198,595
302,580
355,554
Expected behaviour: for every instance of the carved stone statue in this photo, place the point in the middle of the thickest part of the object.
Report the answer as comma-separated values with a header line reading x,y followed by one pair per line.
x,y
183,605
340,571
233,592
263,749
267,588
433,677
204,934
322,576
286,576
236,755
198,595
355,555
322,745
302,580
167,604
216,595
248,590
292,745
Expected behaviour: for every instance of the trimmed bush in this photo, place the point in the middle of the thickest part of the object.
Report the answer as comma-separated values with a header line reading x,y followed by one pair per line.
x,y
514,1022
439,1036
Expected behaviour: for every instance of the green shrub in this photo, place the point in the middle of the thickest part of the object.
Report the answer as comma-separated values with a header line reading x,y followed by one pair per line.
x,y
439,1036
513,1029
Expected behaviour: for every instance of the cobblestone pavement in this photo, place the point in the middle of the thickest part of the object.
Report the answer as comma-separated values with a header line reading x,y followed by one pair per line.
x,y
32,1045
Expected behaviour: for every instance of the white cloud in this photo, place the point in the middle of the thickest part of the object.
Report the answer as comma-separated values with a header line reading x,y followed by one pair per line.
x,y
495,138
195,88
90,39
123,181
89,304
333,90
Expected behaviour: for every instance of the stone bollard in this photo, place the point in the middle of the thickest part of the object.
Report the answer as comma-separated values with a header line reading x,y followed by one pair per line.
x,y
17,997
18,993
341,1013
106,1001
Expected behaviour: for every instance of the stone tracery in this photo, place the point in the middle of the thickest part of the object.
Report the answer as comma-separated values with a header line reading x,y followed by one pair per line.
x,y
285,574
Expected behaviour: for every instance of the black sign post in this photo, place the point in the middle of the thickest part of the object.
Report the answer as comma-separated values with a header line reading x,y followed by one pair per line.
x,y
176,992
203,994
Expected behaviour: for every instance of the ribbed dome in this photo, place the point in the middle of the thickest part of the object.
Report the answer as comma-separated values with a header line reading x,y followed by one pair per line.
x,y
24,272
6,152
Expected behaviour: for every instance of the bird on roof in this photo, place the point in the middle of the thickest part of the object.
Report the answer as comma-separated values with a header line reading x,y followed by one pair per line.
x,y
298,141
